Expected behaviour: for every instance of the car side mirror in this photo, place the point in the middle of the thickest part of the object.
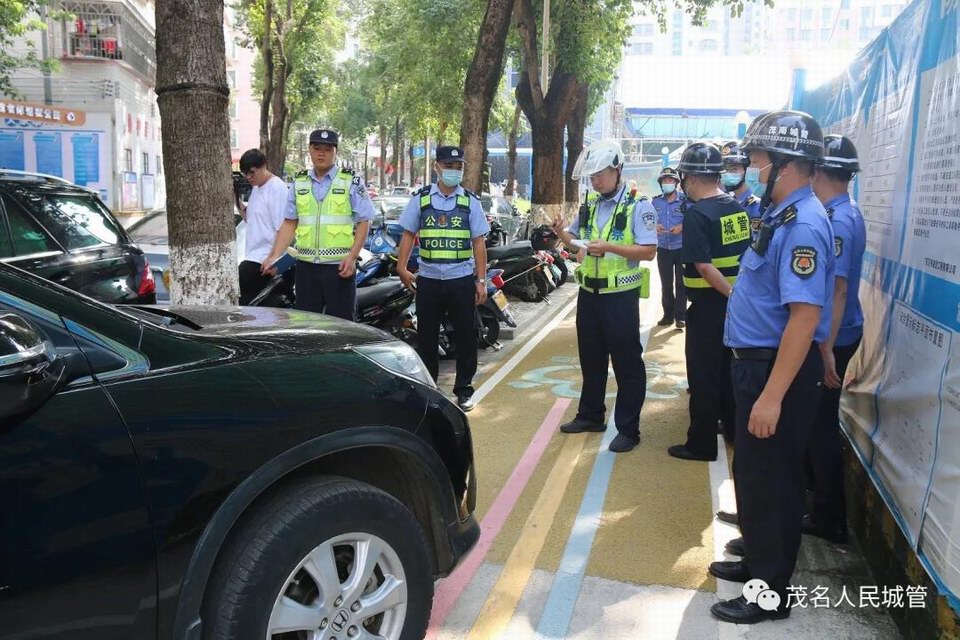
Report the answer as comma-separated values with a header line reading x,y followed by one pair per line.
x,y
30,369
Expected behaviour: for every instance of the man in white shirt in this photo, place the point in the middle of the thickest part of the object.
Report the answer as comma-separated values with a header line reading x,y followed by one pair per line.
x,y
263,213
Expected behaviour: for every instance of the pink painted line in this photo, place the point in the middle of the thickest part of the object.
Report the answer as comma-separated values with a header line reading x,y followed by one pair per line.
x,y
451,588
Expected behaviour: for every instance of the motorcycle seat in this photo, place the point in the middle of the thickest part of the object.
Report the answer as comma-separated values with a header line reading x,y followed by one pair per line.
x,y
377,292
512,250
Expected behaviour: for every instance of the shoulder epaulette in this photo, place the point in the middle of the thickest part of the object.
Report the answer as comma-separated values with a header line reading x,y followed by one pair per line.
x,y
304,173
642,197
753,199
789,214
830,212
347,171
422,190
470,193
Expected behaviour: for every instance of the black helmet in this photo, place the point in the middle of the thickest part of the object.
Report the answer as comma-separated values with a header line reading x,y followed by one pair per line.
x,y
839,152
543,238
702,159
787,133
733,155
668,172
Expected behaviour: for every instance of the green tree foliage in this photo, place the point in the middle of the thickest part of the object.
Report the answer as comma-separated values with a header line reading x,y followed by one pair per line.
x,y
18,18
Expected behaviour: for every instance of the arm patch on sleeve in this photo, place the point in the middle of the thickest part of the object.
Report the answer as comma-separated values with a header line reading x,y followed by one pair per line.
x,y
838,246
804,262
649,220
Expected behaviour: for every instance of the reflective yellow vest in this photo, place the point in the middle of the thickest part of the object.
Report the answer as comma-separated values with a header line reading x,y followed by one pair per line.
x,y
324,229
612,272
445,235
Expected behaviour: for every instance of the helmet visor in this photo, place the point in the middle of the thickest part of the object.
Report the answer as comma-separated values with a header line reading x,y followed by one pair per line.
x,y
593,161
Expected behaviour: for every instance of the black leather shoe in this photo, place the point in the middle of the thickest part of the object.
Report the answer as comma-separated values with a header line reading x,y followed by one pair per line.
x,y
739,611
622,443
466,403
579,425
681,324
664,321
732,570
836,535
680,451
735,547
729,518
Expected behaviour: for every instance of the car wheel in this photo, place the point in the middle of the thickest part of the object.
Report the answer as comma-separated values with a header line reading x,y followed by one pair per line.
x,y
328,558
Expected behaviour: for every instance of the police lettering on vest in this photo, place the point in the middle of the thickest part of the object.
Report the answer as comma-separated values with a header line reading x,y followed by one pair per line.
x,y
324,229
445,235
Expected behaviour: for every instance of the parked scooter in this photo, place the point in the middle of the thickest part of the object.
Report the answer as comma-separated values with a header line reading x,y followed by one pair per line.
x,y
522,270
387,305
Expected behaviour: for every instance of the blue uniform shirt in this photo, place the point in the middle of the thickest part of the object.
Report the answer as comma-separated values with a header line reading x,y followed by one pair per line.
x,y
669,215
798,266
360,202
849,243
410,221
644,220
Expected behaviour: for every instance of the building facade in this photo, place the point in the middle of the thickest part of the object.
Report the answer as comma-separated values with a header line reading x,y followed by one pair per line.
x,y
244,101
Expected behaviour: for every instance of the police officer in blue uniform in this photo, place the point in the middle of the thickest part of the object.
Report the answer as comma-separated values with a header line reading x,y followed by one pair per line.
x,y
716,232
735,165
777,316
670,206
831,184
329,213
452,272
613,233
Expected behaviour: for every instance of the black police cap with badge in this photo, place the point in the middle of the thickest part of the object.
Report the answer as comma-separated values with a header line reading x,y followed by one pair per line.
x,y
450,153
325,136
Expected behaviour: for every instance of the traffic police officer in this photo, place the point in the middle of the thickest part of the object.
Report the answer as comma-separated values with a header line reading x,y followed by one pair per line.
x,y
777,316
831,183
451,277
670,206
735,165
613,232
716,232
329,212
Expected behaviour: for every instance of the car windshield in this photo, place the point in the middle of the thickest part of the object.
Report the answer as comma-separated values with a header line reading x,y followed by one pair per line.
x,y
75,220
151,230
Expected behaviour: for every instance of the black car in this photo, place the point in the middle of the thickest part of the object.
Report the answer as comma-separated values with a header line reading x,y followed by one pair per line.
x,y
65,233
188,473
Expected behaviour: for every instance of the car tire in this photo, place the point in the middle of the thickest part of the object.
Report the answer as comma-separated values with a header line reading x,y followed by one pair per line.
x,y
273,565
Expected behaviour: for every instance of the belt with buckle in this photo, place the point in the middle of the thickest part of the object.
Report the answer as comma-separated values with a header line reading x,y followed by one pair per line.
x,y
754,354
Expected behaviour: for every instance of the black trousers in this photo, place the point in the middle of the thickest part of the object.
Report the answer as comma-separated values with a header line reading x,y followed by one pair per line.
x,y
321,289
673,293
608,327
455,299
768,473
252,281
826,452
708,373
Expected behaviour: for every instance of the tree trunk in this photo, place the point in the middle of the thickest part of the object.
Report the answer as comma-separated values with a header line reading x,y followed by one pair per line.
x,y
426,162
193,96
547,114
383,157
397,152
512,152
442,133
266,52
413,165
575,128
366,162
480,87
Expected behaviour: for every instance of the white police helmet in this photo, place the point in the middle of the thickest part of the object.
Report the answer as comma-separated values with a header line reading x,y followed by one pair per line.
x,y
597,157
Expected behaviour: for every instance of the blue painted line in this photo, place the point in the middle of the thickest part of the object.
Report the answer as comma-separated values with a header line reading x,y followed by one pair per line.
x,y
558,613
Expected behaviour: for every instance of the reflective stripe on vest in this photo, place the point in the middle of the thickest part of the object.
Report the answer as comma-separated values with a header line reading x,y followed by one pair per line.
x,y
324,229
445,235
612,272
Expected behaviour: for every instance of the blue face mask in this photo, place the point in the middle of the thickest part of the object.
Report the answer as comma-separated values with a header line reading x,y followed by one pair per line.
x,y
731,180
752,178
451,177
668,188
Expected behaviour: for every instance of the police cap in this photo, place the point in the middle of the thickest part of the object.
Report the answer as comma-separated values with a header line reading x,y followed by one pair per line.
x,y
668,172
325,136
701,158
787,133
450,153
839,152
